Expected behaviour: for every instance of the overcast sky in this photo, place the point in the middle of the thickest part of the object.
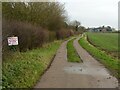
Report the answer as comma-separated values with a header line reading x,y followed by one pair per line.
x,y
93,12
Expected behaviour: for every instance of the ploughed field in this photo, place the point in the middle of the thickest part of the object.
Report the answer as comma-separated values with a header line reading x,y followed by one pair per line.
x,y
105,41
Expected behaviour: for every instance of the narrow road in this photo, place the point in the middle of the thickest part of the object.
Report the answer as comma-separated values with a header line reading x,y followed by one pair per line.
x,y
89,74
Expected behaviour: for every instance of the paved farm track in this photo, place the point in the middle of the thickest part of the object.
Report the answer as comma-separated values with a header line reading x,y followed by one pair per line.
x,y
89,74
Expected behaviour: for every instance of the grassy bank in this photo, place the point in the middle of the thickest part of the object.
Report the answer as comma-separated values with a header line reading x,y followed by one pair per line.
x,y
110,62
72,55
22,70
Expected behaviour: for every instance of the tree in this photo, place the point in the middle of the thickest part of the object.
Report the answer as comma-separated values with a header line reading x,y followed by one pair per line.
x,y
50,15
75,24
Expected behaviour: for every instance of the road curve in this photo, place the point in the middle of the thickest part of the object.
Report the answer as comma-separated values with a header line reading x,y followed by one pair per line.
x,y
89,74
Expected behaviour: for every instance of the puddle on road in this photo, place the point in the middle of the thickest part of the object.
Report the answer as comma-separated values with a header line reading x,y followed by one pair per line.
x,y
86,70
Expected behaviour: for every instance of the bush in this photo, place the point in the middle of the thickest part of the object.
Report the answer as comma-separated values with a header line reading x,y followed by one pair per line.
x,y
29,36
52,36
64,33
22,70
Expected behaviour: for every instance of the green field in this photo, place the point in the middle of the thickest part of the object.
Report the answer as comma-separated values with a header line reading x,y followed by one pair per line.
x,y
110,62
105,41
23,69
72,55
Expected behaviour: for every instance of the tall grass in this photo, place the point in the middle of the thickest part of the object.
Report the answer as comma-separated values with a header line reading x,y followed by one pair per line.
x,y
22,70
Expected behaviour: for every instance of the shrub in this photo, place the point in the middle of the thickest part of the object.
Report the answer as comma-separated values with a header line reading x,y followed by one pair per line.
x,y
29,36
52,36
64,33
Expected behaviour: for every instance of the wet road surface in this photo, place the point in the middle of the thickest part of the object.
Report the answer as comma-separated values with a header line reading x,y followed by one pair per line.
x,y
89,74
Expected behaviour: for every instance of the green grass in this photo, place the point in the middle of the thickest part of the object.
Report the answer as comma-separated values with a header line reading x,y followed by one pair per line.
x,y
22,70
106,41
110,62
72,55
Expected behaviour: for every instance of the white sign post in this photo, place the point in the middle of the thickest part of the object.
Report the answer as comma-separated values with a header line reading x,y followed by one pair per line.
x,y
12,41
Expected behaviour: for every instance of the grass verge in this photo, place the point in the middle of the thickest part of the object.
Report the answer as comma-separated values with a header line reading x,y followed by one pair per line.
x,y
72,55
111,63
24,69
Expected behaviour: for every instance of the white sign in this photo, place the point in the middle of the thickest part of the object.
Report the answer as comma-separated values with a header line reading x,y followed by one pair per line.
x,y
12,41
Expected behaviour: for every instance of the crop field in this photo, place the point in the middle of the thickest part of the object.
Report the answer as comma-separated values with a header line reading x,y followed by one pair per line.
x,y
105,41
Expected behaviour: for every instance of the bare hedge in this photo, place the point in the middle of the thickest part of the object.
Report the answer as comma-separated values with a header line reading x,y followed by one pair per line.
x,y
30,36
